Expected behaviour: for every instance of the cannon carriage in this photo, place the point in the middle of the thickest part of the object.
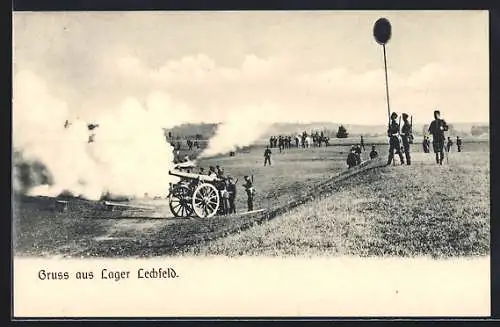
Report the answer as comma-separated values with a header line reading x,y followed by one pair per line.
x,y
195,194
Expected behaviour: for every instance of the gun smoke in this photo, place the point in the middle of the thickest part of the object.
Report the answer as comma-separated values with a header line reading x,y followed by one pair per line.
x,y
241,128
129,156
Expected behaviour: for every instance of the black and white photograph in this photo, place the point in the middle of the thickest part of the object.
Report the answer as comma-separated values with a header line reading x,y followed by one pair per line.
x,y
159,135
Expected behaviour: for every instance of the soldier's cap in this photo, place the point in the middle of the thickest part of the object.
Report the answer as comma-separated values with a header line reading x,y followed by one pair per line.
x,y
246,177
229,178
405,115
373,146
394,114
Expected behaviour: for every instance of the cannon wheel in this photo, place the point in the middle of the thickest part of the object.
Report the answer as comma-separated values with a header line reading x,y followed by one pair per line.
x,y
206,200
180,201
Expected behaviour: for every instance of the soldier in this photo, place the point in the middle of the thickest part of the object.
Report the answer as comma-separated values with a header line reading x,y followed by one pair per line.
x,y
250,192
362,143
459,144
267,156
449,144
405,136
201,171
357,151
373,153
231,189
212,172
437,128
219,171
224,195
352,159
425,144
394,145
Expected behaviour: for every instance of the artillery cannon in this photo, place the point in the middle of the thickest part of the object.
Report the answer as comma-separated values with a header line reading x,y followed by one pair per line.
x,y
195,193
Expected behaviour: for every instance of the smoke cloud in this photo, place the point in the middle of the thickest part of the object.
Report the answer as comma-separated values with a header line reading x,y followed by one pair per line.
x,y
242,127
129,156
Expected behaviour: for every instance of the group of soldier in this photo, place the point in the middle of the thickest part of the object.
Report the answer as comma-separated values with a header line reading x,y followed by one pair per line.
x,y
449,144
437,128
354,155
227,189
301,140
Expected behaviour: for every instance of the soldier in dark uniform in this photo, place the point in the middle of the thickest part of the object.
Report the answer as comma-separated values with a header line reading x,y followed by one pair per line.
x,y
425,144
267,156
459,144
394,145
362,143
231,189
212,172
373,153
219,171
449,144
352,158
250,192
437,128
357,151
405,137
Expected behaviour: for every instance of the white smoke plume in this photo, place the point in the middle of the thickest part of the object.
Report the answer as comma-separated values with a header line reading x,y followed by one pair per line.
x,y
129,156
242,127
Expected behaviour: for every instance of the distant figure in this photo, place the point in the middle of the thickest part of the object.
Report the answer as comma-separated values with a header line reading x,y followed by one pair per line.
x,y
437,128
201,171
362,143
232,153
267,156
405,137
373,153
231,189
426,144
459,144
352,158
449,144
394,145
249,189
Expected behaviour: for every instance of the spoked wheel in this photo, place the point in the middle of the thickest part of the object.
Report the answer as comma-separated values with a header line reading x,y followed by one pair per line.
x,y
206,200
181,201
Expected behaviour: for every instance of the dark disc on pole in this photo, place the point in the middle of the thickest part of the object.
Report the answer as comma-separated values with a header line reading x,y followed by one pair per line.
x,y
382,30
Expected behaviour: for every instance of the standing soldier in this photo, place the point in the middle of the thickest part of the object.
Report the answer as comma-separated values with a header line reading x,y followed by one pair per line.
x,y
362,143
250,192
459,144
267,156
437,128
394,145
352,158
449,144
425,144
231,188
219,171
405,137
373,153
212,172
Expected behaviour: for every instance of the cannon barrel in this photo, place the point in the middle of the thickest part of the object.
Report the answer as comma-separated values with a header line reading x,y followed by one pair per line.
x,y
204,178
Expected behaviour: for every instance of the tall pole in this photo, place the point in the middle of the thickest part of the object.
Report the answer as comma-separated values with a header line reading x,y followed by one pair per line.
x,y
387,86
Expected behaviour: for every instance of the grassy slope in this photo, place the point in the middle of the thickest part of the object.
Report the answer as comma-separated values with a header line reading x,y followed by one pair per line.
x,y
397,210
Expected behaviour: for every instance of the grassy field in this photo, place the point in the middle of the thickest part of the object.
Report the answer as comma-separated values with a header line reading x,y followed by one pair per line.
x,y
422,209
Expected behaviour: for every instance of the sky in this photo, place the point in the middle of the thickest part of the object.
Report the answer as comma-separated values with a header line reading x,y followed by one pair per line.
x,y
281,66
